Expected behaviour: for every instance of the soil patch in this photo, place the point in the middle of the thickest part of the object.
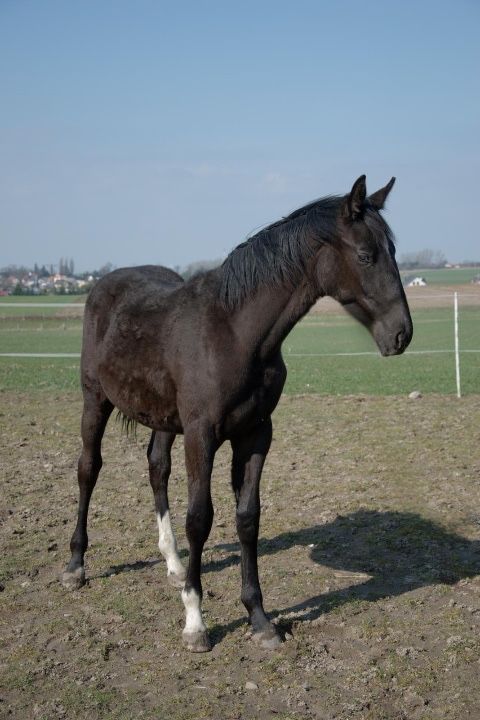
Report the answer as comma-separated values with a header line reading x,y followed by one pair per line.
x,y
369,559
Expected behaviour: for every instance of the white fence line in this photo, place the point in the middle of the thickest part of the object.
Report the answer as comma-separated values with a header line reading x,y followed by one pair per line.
x,y
372,352
285,355
442,295
40,355
44,305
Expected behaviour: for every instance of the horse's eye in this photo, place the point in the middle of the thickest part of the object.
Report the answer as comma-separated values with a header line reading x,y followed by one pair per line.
x,y
365,259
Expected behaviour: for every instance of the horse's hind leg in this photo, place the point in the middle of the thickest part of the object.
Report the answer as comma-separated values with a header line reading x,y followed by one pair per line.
x,y
159,464
96,412
249,454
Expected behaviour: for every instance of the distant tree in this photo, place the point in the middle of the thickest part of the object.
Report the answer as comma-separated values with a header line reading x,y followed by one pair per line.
x,y
17,270
199,266
64,266
105,269
18,290
425,258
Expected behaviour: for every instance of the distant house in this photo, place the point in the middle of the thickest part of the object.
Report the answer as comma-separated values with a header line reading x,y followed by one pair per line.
x,y
416,282
476,280
11,282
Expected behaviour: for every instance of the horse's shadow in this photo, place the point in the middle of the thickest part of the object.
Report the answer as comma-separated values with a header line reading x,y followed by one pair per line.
x,y
398,551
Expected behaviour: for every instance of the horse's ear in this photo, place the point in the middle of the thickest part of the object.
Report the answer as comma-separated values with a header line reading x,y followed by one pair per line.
x,y
378,198
356,198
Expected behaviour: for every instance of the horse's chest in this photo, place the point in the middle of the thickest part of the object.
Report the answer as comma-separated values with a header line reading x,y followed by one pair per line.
x,y
259,400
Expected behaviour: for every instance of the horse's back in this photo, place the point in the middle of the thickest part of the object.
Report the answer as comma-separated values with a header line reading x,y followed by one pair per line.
x,y
131,285
135,288
131,281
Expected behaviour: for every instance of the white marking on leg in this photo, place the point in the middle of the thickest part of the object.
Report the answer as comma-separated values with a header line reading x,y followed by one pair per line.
x,y
168,546
193,622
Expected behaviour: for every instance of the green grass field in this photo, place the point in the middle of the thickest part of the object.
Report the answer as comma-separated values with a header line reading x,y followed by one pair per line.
x,y
310,348
35,299
445,276
51,305
313,353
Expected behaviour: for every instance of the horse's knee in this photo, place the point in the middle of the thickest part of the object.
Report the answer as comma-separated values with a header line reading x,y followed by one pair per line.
x,y
247,525
159,468
199,521
89,466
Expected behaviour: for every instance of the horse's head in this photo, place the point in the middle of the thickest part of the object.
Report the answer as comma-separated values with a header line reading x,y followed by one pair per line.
x,y
359,269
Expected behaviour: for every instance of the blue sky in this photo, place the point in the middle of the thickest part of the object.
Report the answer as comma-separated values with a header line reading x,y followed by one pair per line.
x,y
157,132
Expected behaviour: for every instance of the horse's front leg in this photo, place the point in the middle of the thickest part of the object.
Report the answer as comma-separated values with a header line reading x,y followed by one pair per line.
x,y
200,447
249,453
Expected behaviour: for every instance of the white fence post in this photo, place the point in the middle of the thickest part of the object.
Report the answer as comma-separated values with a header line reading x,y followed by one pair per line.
x,y
457,355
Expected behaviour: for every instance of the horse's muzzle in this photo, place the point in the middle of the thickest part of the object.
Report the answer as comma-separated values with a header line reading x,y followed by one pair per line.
x,y
394,343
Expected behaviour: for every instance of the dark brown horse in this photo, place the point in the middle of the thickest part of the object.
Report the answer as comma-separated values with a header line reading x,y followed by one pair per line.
x,y
203,358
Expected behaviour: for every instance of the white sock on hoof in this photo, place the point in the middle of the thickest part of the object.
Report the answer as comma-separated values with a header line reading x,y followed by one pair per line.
x,y
193,622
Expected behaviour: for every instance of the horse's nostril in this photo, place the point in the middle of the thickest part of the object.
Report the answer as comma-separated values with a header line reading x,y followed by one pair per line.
x,y
399,340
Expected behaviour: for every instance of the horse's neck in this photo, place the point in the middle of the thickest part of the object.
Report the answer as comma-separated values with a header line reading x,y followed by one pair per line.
x,y
266,319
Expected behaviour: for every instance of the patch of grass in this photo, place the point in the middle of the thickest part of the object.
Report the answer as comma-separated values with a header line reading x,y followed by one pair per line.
x,y
78,700
20,307
60,339
444,276
34,299
32,374
306,352
17,678
433,330
374,375
312,370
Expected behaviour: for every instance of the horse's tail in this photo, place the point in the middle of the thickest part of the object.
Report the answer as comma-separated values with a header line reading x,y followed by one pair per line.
x,y
129,425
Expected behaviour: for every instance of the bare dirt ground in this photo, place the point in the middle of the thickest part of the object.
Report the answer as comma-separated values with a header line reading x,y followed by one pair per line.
x,y
434,296
369,556
419,298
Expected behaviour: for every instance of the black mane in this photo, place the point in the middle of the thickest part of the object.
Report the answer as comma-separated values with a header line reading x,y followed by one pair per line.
x,y
278,253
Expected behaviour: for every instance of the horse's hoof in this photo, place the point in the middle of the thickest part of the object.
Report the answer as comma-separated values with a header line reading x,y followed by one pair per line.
x,y
197,641
268,638
177,581
73,580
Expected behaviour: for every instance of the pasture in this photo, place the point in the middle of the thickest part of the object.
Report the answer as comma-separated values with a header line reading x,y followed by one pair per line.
x,y
445,276
369,552
326,353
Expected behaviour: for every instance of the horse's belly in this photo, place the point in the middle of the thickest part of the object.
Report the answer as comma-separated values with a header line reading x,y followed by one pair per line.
x,y
146,396
159,416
